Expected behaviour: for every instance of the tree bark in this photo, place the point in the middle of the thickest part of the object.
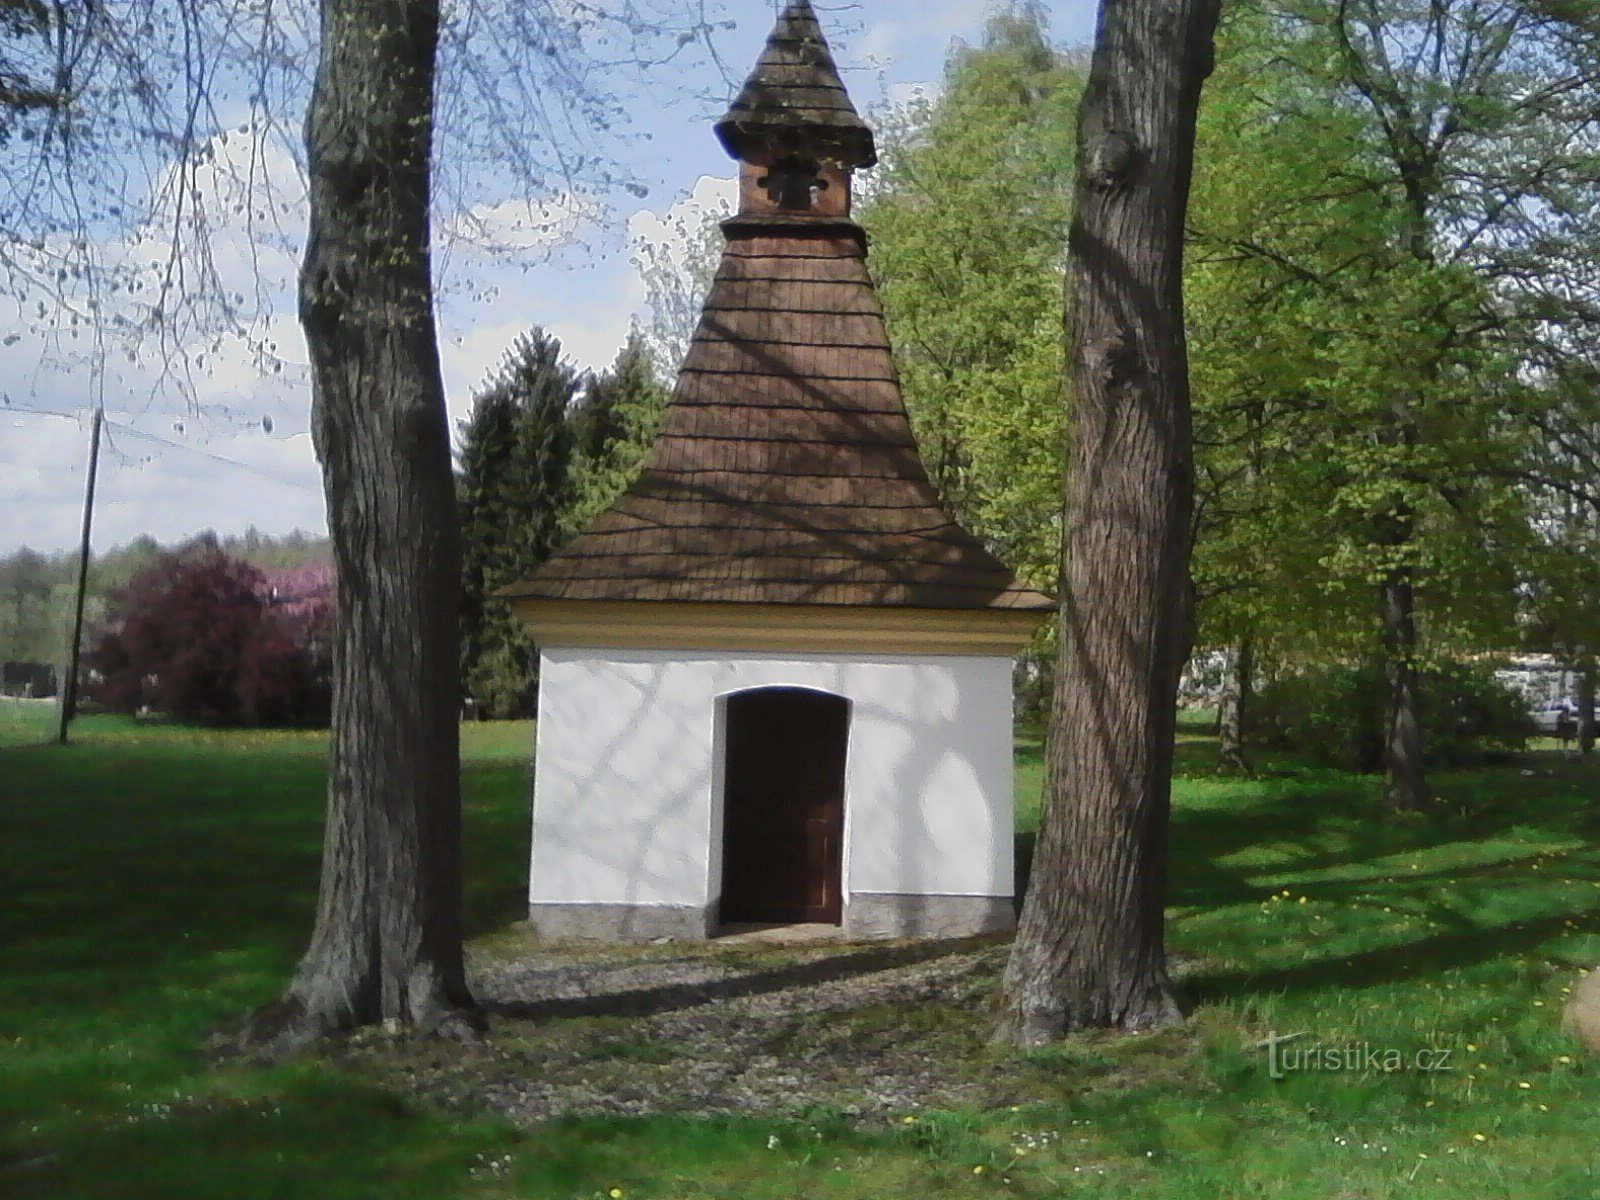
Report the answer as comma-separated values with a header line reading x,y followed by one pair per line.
x,y
1405,777
1234,707
387,942
1090,948
1586,683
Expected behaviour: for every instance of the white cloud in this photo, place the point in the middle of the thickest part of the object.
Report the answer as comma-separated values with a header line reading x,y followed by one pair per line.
x,y
888,41
153,479
590,307
183,392
522,224
709,195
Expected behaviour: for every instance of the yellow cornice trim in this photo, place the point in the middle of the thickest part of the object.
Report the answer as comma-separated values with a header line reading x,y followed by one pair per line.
x,y
801,629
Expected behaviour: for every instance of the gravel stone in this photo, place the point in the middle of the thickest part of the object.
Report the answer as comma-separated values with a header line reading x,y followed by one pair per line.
x,y
712,1030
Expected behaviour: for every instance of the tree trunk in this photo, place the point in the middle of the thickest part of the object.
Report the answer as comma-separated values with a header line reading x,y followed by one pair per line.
x,y
1586,683
387,943
1235,704
1090,948
1407,783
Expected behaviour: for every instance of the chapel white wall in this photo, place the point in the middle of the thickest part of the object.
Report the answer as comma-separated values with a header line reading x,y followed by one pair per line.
x,y
627,777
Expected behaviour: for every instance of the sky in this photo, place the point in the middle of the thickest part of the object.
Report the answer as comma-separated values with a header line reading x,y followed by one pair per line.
x,y
235,452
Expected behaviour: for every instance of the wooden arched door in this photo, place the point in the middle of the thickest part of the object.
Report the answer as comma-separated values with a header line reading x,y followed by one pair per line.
x,y
783,806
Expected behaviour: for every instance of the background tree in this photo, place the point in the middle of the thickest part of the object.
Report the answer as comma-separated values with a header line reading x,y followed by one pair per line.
x,y
968,216
1405,244
513,488
28,581
36,590
198,636
613,430
26,85
1090,948
1561,595
677,270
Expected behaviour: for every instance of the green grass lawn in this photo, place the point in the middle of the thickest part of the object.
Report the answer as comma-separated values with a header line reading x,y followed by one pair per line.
x,y
157,881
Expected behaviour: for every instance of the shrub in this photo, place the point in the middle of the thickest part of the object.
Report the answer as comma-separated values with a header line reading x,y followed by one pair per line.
x,y
1335,715
195,637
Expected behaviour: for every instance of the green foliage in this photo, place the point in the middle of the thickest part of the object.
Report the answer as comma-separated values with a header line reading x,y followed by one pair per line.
x,y
1352,399
613,429
1561,593
513,484
1335,715
968,219
35,595
37,591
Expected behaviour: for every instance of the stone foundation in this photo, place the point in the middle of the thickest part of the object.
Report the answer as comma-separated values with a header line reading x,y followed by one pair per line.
x,y
623,922
869,917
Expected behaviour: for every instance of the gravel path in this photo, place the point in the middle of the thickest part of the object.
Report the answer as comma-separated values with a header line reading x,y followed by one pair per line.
x,y
709,1030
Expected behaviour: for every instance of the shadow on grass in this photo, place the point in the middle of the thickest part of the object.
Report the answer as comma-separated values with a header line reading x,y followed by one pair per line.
x,y
648,1001
315,1140
1468,946
44,743
1541,801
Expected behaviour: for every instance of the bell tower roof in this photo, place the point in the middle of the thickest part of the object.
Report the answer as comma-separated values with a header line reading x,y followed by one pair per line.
x,y
794,104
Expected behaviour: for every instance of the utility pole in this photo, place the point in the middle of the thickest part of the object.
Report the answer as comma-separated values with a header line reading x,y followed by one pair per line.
x,y
69,688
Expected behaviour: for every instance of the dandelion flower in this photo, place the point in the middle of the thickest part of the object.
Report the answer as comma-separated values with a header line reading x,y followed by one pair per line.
x,y
979,1169
1478,1137
615,1194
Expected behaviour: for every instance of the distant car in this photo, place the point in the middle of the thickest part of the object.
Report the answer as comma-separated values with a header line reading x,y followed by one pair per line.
x,y
1557,719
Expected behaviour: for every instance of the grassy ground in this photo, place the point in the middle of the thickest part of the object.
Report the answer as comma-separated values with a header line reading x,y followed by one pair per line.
x,y
157,881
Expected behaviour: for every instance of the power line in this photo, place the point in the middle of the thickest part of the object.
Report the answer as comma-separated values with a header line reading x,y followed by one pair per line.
x,y
231,462
154,437
40,412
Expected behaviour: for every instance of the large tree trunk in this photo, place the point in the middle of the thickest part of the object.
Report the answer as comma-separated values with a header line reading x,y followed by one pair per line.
x,y
1234,707
387,944
1407,783
1090,948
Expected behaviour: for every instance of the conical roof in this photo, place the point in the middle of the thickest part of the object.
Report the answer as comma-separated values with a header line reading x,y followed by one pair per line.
x,y
786,472
795,102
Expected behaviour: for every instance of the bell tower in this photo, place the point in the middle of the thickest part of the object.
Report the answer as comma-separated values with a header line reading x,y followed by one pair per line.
x,y
793,128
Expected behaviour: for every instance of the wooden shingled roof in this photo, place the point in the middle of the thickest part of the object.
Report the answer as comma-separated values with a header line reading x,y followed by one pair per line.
x,y
785,471
793,95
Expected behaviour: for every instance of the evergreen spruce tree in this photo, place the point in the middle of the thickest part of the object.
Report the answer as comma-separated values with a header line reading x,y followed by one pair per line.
x,y
613,430
513,485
